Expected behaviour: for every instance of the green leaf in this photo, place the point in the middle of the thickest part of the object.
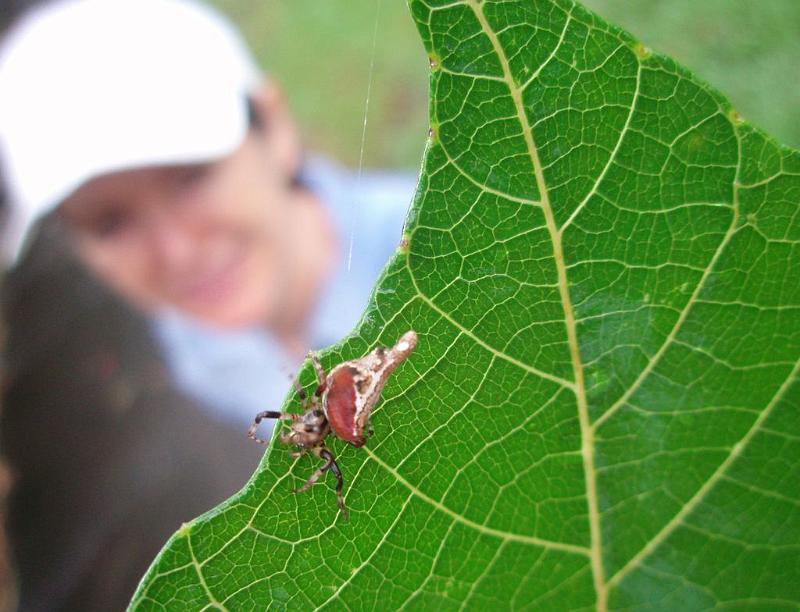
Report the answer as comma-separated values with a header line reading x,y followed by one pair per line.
x,y
603,411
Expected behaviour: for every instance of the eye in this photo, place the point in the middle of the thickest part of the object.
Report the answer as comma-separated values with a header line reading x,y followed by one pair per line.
x,y
107,224
191,175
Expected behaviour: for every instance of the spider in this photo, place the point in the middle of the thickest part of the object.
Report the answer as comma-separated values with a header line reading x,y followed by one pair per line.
x,y
342,404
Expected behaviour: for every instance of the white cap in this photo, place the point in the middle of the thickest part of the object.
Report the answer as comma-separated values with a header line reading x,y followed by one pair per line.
x,y
93,86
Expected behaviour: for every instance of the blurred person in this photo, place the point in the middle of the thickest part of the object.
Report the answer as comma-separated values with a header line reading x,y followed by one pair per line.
x,y
144,154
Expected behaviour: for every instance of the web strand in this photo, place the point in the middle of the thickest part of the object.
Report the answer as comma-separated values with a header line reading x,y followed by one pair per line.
x,y
356,204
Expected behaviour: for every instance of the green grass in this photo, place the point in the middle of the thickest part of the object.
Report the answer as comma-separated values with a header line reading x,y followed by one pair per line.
x,y
320,51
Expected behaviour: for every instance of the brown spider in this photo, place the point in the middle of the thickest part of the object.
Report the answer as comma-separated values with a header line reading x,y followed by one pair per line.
x,y
342,403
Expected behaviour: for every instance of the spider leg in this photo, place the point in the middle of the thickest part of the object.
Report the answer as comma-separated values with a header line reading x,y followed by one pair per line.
x,y
330,464
313,478
321,377
318,368
267,414
298,389
334,467
298,453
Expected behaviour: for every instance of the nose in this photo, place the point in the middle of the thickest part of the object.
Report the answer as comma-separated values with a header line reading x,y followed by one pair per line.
x,y
169,238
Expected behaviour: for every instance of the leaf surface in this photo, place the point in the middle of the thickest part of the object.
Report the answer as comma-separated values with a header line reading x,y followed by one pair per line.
x,y
604,407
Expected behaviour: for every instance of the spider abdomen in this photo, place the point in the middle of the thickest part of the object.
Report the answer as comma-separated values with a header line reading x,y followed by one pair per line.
x,y
340,405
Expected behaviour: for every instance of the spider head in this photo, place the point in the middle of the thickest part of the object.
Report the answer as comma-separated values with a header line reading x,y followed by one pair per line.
x,y
310,430
314,421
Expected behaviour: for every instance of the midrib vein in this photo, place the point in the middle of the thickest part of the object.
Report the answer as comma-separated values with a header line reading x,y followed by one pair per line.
x,y
587,436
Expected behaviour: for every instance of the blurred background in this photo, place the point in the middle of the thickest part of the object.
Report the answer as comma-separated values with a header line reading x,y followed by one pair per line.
x,y
321,53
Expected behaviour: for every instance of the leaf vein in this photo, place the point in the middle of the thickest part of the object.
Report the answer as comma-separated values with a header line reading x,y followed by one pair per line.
x,y
701,493
503,535
469,333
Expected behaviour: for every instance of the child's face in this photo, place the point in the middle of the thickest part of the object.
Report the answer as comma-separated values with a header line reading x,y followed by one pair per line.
x,y
213,240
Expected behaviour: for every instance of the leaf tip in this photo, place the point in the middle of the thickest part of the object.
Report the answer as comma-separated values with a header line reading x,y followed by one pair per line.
x,y
405,243
642,51
433,132
185,530
735,117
